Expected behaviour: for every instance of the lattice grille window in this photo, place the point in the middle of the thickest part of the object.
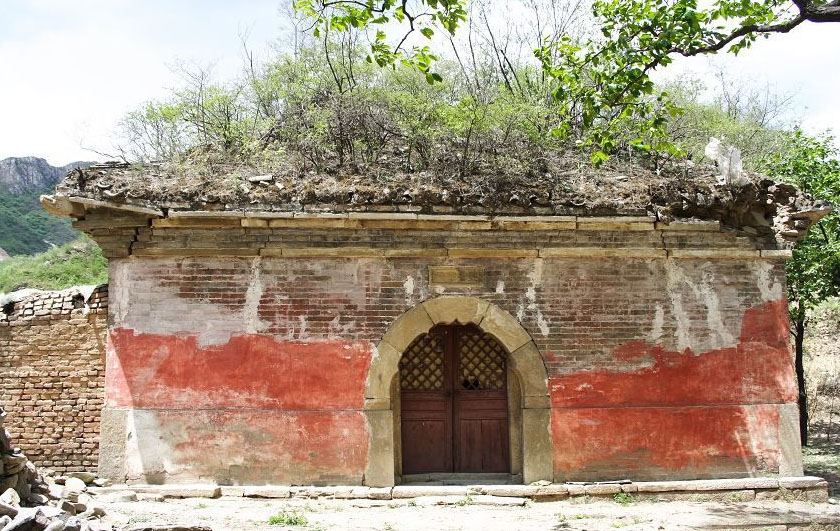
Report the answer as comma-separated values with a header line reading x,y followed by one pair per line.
x,y
482,363
421,366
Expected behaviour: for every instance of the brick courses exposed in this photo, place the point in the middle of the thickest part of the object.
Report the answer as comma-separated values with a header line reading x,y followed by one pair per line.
x,y
612,306
52,347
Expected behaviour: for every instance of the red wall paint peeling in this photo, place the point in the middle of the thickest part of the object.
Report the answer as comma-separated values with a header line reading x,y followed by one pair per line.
x,y
250,371
667,443
759,369
259,446
685,415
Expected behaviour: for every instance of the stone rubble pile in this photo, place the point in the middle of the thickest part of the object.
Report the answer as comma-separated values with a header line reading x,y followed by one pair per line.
x,y
30,501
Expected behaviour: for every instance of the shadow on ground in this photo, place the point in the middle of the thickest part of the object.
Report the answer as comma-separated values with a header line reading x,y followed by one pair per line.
x,y
822,456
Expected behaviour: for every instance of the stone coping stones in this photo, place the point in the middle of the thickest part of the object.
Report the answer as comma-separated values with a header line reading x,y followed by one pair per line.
x,y
804,482
811,488
167,491
410,491
714,484
170,527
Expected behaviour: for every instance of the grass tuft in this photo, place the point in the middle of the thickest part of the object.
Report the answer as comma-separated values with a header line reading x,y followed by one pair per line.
x,y
291,518
623,498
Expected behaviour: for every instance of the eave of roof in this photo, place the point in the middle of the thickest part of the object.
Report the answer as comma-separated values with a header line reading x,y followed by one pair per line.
x,y
760,207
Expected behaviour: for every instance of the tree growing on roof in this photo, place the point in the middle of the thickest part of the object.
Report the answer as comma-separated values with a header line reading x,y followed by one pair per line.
x,y
602,82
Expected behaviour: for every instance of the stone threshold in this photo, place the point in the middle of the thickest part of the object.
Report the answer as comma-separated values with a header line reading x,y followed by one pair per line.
x,y
805,488
461,479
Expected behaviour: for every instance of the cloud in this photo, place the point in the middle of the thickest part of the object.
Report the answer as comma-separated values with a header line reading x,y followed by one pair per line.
x,y
803,63
74,68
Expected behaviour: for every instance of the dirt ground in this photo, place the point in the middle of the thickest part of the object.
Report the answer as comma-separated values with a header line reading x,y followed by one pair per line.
x,y
248,514
822,458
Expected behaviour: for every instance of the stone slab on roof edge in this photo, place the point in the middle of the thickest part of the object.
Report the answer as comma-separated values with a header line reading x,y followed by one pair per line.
x,y
761,207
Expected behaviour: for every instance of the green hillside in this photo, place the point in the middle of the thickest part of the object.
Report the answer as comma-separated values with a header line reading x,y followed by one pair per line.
x,y
25,228
72,264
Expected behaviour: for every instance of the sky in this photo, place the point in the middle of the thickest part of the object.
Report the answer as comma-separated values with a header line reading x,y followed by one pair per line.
x,y
72,68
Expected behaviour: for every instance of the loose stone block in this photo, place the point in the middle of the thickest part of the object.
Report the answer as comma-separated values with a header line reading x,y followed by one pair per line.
x,y
602,489
408,491
802,482
266,492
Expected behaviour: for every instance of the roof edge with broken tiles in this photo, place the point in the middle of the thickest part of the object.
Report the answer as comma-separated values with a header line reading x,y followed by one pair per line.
x,y
62,205
52,203
778,207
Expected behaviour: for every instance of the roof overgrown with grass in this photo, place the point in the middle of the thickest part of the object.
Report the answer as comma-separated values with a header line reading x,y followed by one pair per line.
x,y
303,133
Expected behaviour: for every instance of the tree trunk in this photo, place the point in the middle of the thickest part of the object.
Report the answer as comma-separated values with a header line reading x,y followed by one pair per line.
x,y
799,340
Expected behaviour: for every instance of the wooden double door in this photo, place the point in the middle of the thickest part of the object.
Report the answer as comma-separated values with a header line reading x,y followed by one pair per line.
x,y
453,392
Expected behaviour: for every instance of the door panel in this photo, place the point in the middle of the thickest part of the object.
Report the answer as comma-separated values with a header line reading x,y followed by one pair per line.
x,y
482,432
454,402
426,433
426,420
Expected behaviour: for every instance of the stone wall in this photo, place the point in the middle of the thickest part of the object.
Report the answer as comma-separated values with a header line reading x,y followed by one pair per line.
x,y
52,369
666,346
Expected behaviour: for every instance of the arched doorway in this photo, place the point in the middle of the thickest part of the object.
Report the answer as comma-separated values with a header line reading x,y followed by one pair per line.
x,y
454,407
530,447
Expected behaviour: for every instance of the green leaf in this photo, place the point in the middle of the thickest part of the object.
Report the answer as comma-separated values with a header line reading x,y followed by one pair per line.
x,y
599,157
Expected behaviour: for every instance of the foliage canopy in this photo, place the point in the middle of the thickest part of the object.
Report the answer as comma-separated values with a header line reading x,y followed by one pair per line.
x,y
602,82
813,165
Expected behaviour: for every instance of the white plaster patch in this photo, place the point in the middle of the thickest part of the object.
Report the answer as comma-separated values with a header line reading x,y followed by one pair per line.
x,y
147,448
770,290
658,323
529,301
704,291
714,317
302,330
531,294
536,273
683,323
119,294
250,313
339,330
139,301
542,324
520,312
500,287
409,289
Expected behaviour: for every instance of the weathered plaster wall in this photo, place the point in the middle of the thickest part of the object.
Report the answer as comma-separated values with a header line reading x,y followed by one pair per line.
x,y
52,372
252,369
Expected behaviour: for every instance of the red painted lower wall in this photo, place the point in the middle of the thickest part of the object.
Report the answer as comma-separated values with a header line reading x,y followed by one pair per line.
x,y
250,371
253,410
665,443
258,409
257,447
684,414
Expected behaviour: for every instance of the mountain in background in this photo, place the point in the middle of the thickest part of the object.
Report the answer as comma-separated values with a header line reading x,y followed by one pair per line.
x,y
25,228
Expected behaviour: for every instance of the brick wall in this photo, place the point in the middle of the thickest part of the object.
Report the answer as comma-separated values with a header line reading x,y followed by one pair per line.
x,y
52,349
240,345
659,368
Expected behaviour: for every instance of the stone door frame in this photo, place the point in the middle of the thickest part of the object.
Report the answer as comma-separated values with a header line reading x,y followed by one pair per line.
x,y
531,448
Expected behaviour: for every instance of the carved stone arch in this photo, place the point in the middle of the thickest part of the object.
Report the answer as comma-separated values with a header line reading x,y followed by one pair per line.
x,y
524,361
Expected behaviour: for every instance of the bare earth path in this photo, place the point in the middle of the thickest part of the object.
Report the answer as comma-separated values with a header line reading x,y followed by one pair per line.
x,y
247,514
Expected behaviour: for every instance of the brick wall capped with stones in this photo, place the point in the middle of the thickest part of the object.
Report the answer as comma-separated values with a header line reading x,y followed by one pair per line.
x,y
52,369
